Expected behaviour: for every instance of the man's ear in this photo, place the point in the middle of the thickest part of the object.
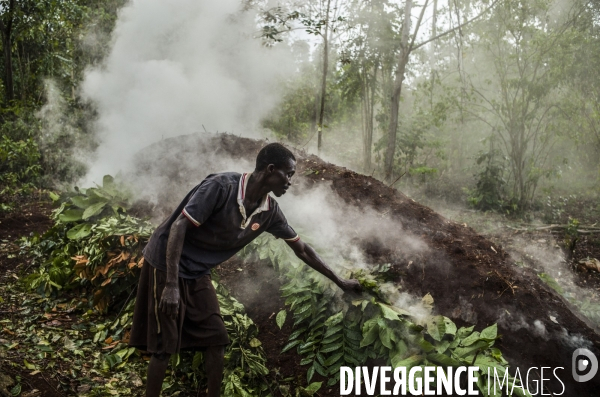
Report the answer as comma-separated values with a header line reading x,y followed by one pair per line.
x,y
270,168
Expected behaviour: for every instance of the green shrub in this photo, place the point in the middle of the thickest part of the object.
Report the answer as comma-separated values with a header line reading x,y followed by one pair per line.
x,y
19,165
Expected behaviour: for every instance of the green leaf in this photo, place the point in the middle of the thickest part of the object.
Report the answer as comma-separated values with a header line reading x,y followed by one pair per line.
x,y
334,330
108,182
297,333
388,312
71,215
444,360
332,348
371,335
468,341
465,351
331,339
93,209
407,362
53,196
334,320
319,368
450,326
28,365
490,332
16,390
464,332
310,373
333,359
385,336
79,231
197,360
81,201
436,327
290,345
255,342
305,361
313,388
280,319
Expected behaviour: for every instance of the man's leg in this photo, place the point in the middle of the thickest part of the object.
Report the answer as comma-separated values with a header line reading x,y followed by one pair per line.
x,y
213,363
156,374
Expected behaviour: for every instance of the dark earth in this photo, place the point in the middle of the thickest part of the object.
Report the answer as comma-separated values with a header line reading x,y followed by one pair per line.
x,y
479,284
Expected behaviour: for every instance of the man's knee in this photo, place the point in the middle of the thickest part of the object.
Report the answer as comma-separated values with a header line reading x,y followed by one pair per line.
x,y
161,356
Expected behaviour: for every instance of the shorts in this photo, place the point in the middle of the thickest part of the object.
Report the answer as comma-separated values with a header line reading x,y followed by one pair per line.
x,y
198,323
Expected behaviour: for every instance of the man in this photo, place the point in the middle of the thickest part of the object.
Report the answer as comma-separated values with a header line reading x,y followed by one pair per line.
x,y
176,305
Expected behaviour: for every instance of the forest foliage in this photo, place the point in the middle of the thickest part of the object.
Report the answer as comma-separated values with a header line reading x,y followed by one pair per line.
x,y
504,92
416,92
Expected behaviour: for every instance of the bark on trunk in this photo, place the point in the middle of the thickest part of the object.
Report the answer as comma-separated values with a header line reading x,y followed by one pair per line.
x,y
6,23
324,77
397,91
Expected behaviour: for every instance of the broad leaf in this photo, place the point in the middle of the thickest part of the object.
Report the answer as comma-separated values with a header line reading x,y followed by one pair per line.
x,y
490,332
93,209
280,319
71,215
80,231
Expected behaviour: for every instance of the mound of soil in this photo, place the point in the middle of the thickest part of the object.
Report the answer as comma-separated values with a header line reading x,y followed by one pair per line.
x,y
478,283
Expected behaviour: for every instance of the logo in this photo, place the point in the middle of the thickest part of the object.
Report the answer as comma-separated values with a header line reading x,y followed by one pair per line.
x,y
585,365
255,226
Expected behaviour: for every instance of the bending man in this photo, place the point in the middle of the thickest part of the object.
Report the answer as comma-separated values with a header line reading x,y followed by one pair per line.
x,y
177,307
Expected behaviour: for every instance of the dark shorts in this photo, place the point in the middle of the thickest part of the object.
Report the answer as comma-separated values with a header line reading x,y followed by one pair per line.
x,y
197,325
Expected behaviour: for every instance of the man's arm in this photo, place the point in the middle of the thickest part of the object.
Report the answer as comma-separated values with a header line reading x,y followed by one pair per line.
x,y
312,259
169,301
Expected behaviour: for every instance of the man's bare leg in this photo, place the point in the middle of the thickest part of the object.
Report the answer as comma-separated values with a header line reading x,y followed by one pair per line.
x,y
213,362
156,374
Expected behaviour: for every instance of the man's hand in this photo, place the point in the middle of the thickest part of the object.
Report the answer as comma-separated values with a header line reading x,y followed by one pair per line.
x,y
169,301
350,286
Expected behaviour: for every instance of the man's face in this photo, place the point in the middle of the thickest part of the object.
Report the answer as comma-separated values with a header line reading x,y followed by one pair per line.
x,y
279,179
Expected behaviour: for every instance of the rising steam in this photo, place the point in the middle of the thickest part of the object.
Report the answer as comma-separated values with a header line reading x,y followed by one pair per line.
x,y
179,67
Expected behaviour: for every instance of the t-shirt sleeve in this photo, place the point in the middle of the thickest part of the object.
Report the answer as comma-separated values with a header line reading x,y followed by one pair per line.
x,y
280,228
203,201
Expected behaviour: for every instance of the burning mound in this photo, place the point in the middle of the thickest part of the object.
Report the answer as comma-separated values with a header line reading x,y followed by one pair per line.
x,y
471,280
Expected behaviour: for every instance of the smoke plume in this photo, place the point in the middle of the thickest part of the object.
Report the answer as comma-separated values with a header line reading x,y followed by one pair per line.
x,y
179,67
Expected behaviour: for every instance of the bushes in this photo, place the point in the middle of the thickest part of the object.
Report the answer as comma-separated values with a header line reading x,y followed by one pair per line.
x,y
20,170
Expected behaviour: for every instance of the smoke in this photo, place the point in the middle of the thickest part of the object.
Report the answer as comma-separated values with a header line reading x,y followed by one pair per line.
x,y
180,67
61,141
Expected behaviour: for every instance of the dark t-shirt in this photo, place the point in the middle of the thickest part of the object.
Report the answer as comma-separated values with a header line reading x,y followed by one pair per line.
x,y
221,228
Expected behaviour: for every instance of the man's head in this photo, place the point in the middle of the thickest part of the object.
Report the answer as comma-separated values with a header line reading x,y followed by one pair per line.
x,y
277,164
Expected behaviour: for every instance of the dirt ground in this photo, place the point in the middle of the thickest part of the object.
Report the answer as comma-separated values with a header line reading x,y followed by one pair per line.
x,y
31,216
479,284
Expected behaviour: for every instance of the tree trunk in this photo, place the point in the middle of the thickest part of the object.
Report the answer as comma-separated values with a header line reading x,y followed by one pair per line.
x,y
397,90
324,77
368,88
432,56
6,31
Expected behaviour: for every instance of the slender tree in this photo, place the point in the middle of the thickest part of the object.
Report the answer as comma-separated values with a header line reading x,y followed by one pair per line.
x,y
6,30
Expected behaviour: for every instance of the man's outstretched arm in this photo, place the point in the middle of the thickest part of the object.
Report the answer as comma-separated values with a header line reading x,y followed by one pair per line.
x,y
312,259
169,301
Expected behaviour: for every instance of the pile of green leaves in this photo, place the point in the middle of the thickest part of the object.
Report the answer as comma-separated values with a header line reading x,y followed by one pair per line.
x,y
93,244
330,332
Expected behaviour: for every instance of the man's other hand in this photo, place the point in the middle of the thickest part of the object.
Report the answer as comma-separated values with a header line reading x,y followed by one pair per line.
x,y
351,286
169,301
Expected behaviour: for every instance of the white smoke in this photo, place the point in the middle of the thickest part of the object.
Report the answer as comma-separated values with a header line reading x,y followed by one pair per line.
x,y
174,67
